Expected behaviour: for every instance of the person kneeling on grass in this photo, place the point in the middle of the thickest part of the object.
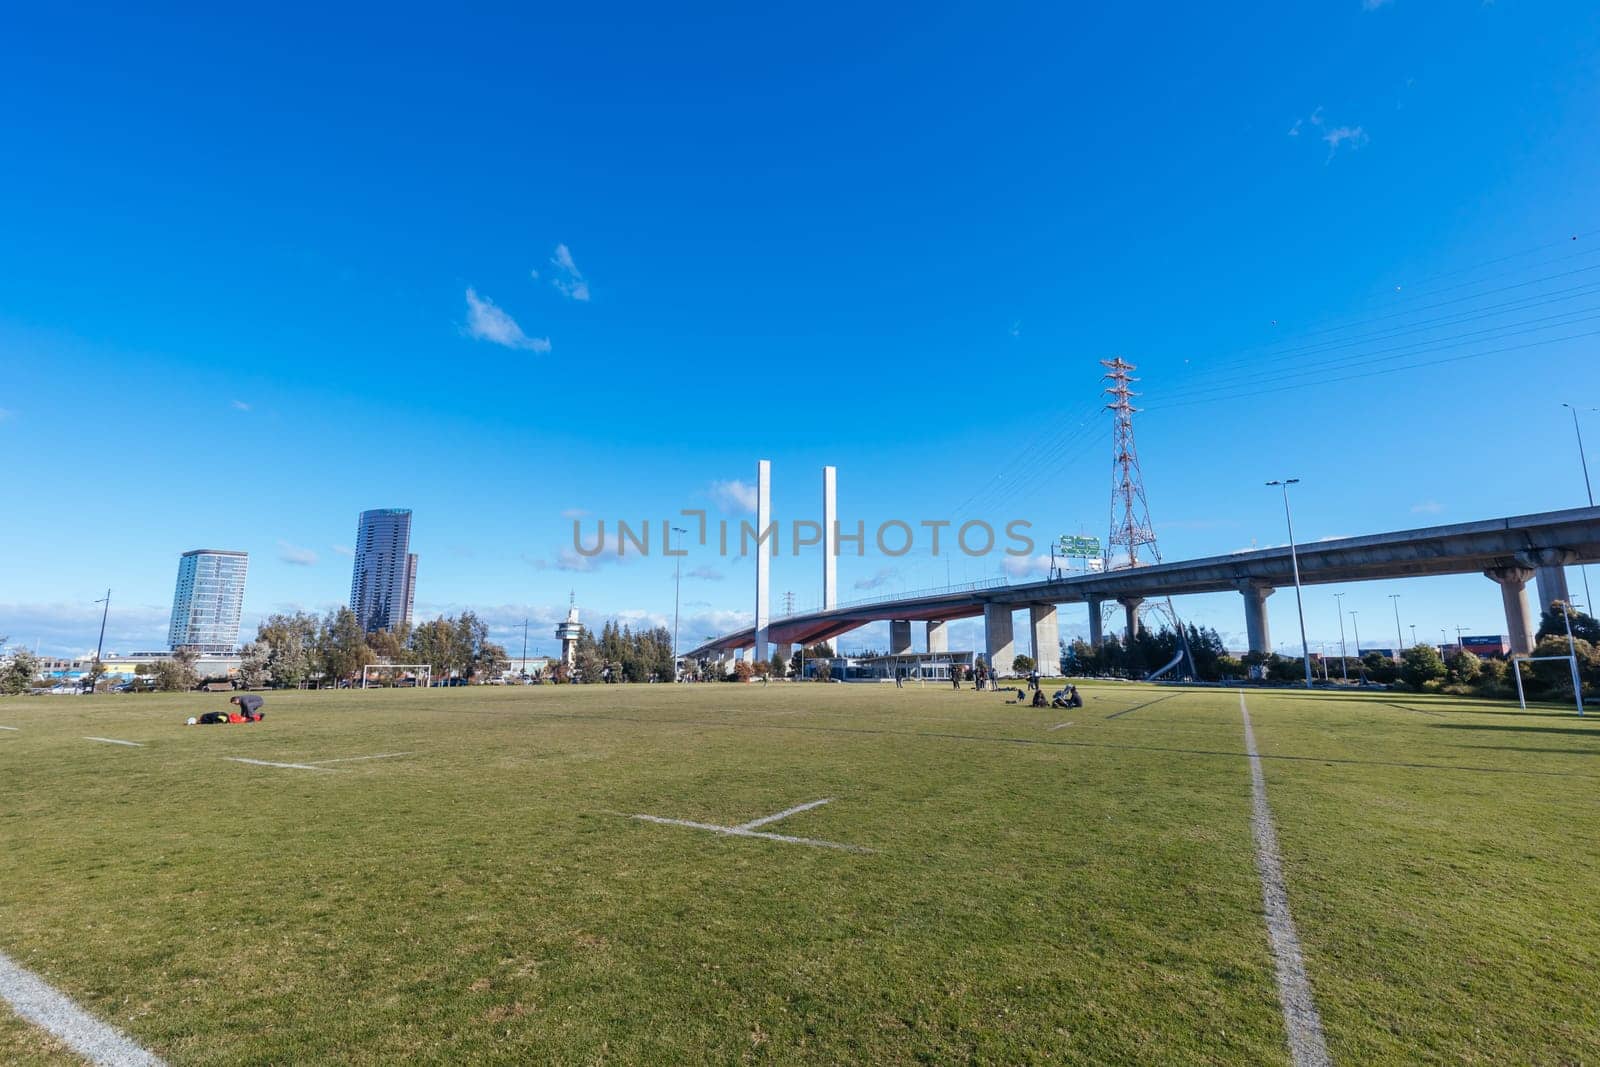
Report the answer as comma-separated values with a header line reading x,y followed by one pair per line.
x,y
1039,700
249,708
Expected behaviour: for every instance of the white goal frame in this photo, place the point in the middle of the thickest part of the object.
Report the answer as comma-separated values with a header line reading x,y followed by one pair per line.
x,y
424,672
1570,660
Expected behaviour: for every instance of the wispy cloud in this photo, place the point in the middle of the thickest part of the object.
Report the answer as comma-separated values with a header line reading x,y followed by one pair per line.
x,y
1335,137
1026,566
295,554
569,280
1427,507
240,405
733,496
343,550
1016,328
883,577
708,574
487,322
574,513
1373,5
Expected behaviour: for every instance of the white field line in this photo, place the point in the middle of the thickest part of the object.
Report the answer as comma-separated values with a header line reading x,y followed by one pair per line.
x,y
114,741
35,1000
269,763
352,759
10,727
784,814
1059,725
1300,1017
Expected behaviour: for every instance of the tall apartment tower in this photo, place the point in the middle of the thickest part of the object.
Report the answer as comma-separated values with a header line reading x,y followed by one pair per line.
x,y
383,583
208,600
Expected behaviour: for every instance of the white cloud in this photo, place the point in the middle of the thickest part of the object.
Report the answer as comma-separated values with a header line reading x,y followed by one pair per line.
x,y
71,628
883,577
296,555
1016,328
240,405
574,513
1027,566
487,322
343,550
1373,5
1332,136
570,282
706,573
733,495
1427,507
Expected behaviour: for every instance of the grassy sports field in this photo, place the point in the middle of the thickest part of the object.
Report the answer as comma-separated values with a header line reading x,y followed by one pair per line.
x,y
1016,885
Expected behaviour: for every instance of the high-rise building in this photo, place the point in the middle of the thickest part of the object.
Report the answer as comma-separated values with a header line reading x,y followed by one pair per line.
x,y
383,582
208,600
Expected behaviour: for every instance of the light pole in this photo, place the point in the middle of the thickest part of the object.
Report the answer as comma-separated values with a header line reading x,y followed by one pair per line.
x,y
1361,668
1294,559
677,587
1459,646
1413,633
1587,487
1344,662
94,671
524,671
1399,635
1572,653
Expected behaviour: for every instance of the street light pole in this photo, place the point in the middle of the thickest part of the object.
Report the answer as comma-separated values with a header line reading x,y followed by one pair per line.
x,y
1361,668
1294,559
677,587
1344,662
99,646
1588,488
1399,634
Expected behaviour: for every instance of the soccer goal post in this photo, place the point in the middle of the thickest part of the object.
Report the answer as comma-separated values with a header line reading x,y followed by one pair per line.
x,y
391,674
1570,660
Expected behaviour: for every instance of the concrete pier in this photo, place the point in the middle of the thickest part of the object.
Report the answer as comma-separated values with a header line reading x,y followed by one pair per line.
x,y
899,637
1255,614
1513,582
997,637
1550,573
1096,637
830,540
763,553
1130,610
1046,637
938,635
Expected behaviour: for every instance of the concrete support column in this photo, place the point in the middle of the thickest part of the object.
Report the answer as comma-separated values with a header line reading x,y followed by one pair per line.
x,y
1130,608
1550,573
1513,582
899,637
938,635
997,639
763,552
1095,636
1046,638
1255,615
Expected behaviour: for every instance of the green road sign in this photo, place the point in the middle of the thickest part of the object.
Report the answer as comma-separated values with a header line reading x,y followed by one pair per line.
x,y
1080,547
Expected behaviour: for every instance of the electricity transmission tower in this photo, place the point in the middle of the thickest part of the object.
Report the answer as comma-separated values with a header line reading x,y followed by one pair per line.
x,y
1130,514
788,602
1131,530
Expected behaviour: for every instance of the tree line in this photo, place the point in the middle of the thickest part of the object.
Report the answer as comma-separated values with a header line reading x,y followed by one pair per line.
x,y
292,650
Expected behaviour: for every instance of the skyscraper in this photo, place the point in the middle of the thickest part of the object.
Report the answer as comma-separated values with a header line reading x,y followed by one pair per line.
x,y
383,581
208,599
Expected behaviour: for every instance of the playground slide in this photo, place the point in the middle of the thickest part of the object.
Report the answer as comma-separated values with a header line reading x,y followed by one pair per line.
x,y
1157,674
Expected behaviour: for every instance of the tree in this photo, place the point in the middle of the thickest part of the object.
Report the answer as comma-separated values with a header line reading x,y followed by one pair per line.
x,y
291,642
18,671
778,668
386,646
177,674
1584,627
253,673
742,671
1420,664
1465,667
1022,664
342,645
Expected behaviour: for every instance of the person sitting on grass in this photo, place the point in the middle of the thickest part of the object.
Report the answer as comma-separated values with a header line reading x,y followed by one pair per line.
x,y
1039,700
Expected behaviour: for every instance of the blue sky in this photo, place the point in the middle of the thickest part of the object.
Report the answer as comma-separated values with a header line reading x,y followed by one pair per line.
x,y
500,266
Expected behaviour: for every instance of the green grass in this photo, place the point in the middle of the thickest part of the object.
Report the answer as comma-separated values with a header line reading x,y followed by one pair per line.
x,y
1088,897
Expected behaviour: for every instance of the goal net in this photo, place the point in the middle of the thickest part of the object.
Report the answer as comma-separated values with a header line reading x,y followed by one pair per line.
x,y
396,674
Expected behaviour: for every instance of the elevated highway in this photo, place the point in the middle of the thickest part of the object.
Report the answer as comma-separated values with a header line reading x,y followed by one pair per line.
x,y
1510,552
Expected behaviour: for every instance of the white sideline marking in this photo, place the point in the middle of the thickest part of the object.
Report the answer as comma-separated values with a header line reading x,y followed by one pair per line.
x,y
10,727
269,763
35,1000
352,759
114,741
1300,1017
784,814
1059,725
748,829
